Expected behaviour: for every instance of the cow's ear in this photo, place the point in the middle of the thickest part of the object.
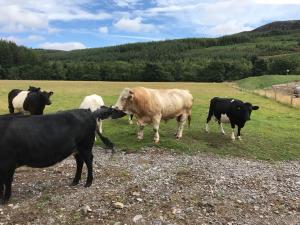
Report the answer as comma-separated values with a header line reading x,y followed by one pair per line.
x,y
255,107
131,94
50,93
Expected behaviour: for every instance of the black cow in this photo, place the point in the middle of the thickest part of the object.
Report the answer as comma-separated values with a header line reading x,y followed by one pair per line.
x,y
43,140
33,100
232,111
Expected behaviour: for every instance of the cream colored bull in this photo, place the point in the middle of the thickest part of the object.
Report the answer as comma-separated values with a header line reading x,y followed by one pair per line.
x,y
150,106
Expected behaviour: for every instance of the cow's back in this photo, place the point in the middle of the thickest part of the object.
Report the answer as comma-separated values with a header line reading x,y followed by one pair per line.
x,y
43,140
174,102
92,102
168,103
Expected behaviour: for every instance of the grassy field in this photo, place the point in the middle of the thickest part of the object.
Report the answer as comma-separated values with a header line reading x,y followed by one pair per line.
x,y
261,82
272,134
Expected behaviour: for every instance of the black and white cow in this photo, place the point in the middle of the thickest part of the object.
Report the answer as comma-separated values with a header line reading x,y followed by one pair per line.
x,y
43,140
33,100
229,110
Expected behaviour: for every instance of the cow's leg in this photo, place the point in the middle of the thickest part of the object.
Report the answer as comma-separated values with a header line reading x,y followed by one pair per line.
x,y
140,135
156,123
239,133
178,118
88,159
85,151
7,183
79,164
232,133
99,123
1,192
181,123
210,114
221,126
11,109
130,117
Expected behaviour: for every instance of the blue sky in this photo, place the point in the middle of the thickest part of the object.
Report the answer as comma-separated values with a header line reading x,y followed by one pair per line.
x,y
77,24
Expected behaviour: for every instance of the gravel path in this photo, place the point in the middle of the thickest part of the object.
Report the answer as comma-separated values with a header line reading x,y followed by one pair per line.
x,y
158,187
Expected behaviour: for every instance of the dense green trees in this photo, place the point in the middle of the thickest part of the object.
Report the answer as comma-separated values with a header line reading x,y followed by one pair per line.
x,y
196,59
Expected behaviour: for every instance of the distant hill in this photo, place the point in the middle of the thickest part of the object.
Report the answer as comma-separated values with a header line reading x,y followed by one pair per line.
x,y
270,49
279,26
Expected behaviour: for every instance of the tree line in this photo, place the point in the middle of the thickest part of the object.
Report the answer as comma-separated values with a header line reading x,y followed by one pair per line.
x,y
197,59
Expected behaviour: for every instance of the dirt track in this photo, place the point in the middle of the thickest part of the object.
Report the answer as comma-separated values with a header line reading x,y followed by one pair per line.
x,y
158,187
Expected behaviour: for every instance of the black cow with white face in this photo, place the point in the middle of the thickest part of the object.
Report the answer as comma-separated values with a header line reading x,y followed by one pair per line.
x,y
33,100
229,110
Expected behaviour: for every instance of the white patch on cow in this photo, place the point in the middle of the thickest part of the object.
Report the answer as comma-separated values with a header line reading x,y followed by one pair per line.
x,y
206,127
18,101
232,100
222,129
130,120
232,135
224,118
239,137
93,102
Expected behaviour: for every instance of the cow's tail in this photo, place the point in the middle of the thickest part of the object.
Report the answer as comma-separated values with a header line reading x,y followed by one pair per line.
x,y
106,141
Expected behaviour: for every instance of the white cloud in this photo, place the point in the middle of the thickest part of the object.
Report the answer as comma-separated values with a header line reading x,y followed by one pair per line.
x,y
229,27
23,40
138,37
66,46
19,16
133,25
103,30
15,19
219,17
278,2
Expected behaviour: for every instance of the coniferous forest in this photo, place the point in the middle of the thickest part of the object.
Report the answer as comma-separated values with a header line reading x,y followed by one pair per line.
x,y
266,50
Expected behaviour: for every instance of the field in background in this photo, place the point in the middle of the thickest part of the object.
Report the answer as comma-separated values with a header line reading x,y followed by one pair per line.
x,y
277,87
272,134
265,81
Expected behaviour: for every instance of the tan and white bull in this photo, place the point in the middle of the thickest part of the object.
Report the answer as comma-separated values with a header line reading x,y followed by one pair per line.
x,y
150,106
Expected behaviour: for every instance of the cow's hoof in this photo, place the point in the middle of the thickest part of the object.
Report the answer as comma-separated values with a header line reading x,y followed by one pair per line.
x,y
156,141
88,184
178,138
74,183
130,122
240,138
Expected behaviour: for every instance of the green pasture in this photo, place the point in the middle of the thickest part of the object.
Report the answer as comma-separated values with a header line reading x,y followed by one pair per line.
x,y
272,134
261,82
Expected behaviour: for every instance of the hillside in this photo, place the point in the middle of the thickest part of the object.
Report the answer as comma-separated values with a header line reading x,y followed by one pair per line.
x,y
279,26
271,49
